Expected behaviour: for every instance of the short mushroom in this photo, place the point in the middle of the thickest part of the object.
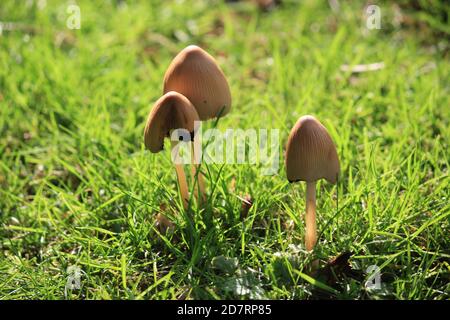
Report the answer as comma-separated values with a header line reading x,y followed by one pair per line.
x,y
170,112
311,155
195,74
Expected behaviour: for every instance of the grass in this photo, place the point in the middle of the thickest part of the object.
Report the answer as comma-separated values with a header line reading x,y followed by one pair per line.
x,y
77,187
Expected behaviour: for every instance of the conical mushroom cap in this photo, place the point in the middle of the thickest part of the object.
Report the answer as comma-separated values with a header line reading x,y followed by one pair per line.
x,y
311,154
171,111
195,74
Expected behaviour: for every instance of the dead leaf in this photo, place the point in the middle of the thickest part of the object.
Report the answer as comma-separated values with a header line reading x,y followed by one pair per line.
x,y
338,268
247,203
163,224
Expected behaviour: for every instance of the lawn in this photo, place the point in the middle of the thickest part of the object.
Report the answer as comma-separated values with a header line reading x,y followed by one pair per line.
x,y
78,190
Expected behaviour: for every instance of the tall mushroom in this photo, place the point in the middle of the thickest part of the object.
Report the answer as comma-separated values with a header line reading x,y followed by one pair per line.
x,y
170,112
311,155
195,74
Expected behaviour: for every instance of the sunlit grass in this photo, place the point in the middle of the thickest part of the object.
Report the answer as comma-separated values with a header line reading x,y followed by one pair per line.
x,y
78,188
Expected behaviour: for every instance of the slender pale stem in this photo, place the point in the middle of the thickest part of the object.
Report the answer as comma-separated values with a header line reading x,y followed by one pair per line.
x,y
181,176
196,173
310,217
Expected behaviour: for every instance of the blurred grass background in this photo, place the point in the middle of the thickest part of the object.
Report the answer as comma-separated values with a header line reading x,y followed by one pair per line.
x,y
77,187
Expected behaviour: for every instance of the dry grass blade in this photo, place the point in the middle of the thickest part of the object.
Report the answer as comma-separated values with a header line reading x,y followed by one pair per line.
x,y
360,68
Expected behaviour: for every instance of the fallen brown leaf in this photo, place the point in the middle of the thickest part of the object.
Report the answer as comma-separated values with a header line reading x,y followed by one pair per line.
x,y
338,268
163,224
247,203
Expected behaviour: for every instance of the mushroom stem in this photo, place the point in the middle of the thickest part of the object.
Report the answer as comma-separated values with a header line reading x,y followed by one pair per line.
x,y
310,217
181,176
182,183
196,173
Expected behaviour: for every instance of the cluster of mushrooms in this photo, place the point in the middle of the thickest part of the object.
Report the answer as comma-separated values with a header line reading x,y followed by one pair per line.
x,y
195,89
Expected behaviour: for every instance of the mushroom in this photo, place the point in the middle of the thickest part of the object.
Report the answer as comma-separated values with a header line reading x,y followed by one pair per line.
x,y
195,74
311,155
172,111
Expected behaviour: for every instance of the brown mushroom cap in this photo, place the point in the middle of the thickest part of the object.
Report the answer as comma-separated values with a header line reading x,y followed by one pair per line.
x,y
171,111
195,74
311,154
